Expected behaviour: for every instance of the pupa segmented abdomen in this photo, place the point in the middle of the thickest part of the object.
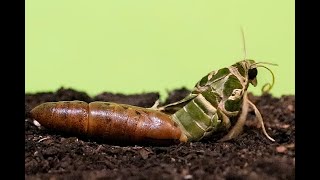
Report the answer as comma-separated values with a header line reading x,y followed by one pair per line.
x,y
109,121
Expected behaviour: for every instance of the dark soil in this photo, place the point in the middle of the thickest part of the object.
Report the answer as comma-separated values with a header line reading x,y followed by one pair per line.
x,y
54,155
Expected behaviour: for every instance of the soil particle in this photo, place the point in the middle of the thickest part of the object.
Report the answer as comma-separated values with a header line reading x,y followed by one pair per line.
x,y
51,155
142,100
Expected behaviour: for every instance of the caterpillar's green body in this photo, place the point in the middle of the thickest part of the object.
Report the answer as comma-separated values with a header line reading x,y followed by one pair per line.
x,y
216,98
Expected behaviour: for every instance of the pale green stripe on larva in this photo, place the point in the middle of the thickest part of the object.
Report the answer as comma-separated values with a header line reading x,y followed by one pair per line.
x,y
187,121
210,110
198,115
205,105
198,118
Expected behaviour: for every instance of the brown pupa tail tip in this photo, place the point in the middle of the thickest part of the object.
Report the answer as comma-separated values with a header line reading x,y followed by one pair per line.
x,y
183,138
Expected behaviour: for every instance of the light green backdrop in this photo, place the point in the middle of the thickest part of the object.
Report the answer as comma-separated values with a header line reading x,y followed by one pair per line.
x,y
128,46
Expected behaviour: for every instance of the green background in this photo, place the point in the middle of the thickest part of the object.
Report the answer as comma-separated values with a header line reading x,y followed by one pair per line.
x,y
128,46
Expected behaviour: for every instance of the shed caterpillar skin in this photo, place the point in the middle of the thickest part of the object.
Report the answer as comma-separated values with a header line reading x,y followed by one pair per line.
x,y
217,97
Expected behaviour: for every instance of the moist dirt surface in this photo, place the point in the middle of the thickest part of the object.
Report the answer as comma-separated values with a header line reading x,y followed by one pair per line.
x,y
55,155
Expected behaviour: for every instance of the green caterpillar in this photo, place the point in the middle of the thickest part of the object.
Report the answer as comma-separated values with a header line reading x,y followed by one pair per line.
x,y
216,98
